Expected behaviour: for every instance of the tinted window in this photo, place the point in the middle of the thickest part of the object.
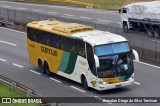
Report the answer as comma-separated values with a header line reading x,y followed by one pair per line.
x,y
77,47
109,49
55,39
81,48
67,44
31,33
40,36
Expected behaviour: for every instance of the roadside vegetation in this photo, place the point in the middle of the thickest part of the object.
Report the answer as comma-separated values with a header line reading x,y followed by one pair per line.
x,y
115,4
7,91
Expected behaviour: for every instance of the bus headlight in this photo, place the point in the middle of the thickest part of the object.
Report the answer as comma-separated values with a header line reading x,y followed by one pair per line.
x,y
131,78
102,82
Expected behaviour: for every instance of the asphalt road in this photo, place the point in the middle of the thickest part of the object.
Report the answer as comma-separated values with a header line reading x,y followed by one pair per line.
x,y
98,18
15,65
81,13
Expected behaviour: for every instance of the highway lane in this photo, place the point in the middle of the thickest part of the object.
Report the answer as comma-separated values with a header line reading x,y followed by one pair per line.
x,y
29,12
100,15
17,67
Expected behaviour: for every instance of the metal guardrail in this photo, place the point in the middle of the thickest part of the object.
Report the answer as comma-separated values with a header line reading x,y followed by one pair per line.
x,y
4,22
29,92
22,17
15,85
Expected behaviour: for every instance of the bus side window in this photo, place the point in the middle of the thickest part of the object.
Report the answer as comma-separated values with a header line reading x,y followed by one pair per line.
x,y
48,39
31,33
40,37
72,46
54,42
65,44
81,48
90,58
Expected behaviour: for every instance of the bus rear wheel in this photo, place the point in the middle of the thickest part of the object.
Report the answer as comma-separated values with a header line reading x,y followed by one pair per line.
x,y
84,82
46,69
40,65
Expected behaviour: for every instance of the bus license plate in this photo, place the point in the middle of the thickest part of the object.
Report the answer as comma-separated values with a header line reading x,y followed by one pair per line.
x,y
117,86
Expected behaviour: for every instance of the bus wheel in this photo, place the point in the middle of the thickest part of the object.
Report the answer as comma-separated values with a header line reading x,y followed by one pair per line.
x,y
84,82
41,66
46,69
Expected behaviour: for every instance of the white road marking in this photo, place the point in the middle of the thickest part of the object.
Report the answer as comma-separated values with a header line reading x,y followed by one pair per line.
x,y
17,65
55,80
8,43
21,8
103,20
85,17
118,23
155,40
149,65
96,96
37,10
70,8
2,60
52,13
32,18
25,33
68,15
12,30
6,6
35,72
137,83
77,89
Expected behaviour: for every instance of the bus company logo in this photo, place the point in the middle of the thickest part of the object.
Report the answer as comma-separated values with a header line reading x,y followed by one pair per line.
x,y
6,100
82,63
49,51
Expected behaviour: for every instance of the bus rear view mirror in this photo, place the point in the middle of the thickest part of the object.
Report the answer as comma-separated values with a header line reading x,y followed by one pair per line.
x,y
135,55
96,61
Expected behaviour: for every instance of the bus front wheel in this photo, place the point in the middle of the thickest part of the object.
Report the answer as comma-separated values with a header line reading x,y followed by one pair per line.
x,y
84,82
40,65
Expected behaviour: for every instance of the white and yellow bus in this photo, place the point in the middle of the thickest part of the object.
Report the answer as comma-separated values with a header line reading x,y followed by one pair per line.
x,y
97,59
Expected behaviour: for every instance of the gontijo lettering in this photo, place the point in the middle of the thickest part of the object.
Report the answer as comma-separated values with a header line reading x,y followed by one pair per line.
x,y
48,51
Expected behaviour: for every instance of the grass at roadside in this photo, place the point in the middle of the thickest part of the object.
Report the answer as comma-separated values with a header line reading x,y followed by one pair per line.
x,y
7,91
100,3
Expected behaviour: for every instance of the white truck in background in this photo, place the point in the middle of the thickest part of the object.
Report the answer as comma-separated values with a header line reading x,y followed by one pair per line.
x,y
144,15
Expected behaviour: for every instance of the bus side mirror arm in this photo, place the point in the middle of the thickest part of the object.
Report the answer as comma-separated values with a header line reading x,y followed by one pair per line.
x,y
96,61
135,55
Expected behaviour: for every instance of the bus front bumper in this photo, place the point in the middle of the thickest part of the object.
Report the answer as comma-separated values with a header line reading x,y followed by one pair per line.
x,y
115,85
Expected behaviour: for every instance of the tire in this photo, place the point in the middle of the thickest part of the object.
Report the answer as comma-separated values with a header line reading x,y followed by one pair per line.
x,y
157,33
40,65
46,69
150,32
84,82
125,27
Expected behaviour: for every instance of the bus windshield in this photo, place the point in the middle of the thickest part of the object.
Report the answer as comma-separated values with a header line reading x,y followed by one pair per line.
x,y
115,60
